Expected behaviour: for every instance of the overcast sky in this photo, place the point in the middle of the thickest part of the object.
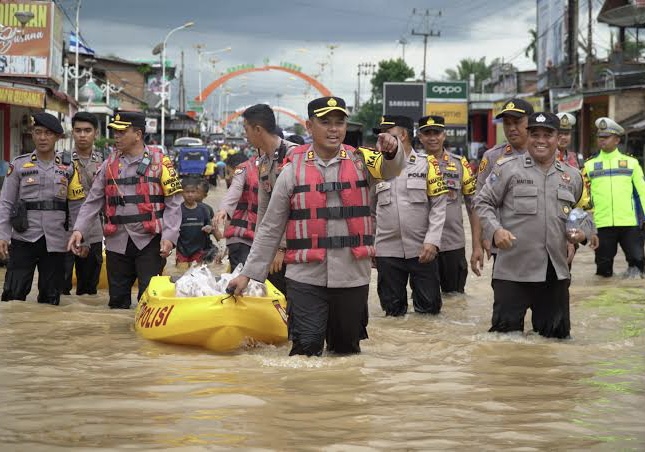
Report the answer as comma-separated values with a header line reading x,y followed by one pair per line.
x,y
301,32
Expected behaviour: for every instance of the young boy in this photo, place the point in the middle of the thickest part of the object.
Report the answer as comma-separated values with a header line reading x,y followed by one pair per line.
x,y
194,234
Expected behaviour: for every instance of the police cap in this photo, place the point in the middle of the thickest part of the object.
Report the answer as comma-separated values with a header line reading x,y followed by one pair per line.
x,y
432,122
124,119
389,121
516,107
323,105
567,121
49,122
607,127
544,119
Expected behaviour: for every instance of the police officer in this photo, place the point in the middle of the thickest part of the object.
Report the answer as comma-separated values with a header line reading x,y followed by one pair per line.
x,y
140,194
567,121
322,198
460,182
262,133
42,195
86,163
240,205
523,210
614,177
514,116
410,214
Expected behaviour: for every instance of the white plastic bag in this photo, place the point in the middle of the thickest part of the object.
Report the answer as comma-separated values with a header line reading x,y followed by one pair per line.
x,y
198,281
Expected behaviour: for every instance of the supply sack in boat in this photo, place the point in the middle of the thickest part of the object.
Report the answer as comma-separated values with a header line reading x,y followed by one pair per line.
x,y
198,281
254,289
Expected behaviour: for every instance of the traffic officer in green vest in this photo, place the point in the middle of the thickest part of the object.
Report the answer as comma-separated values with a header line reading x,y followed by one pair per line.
x,y
614,177
140,193
40,199
410,215
86,163
322,200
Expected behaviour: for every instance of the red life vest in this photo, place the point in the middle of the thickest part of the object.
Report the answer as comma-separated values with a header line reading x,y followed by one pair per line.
x,y
149,196
306,232
245,216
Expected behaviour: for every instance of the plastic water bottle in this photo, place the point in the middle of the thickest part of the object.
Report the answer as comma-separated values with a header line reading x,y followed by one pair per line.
x,y
575,219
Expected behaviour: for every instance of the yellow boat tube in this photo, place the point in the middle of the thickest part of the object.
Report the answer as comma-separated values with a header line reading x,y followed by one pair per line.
x,y
220,323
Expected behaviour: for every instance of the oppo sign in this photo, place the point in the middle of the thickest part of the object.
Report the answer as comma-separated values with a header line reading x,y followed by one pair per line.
x,y
447,90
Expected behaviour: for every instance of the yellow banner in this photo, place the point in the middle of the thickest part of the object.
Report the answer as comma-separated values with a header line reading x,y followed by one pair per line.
x,y
26,98
455,113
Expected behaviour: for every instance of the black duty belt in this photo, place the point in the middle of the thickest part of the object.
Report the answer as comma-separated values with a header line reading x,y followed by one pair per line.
x,y
343,241
329,186
134,180
245,206
46,205
331,213
138,218
133,199
242,224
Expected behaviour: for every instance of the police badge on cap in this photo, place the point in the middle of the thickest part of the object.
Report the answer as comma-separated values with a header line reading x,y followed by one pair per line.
x,y
544,119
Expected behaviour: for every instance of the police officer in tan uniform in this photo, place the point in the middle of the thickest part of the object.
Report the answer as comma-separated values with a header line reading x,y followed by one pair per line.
x,y
567,121
262,132
460,182
410,214
514,116
322,199
40,198
86,163
523,210
140,193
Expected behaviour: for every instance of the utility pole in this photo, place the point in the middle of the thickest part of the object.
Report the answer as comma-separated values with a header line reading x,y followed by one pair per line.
x,y
403,43
572,44
363,69
427,32
588,69
182,86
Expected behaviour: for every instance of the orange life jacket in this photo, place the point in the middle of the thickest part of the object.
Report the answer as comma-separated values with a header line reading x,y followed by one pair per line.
x,y
149,196
306,232
245,216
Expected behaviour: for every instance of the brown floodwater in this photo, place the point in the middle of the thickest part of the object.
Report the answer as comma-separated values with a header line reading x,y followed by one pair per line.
x,y
77,376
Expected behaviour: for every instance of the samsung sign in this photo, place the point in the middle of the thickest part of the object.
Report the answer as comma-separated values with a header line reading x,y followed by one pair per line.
x,y
405,99
447,90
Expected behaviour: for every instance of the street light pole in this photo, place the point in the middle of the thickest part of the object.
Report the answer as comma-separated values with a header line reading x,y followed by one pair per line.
x,y
200,52
163,80
77,31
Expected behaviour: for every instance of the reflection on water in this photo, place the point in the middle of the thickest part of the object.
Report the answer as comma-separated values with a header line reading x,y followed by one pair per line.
x,y
78,376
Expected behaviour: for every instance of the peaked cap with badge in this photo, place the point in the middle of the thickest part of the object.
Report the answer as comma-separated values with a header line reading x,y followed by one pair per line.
x,y
324,105
567,121
607,127
124,119
517,108
389,121
432,122
544,119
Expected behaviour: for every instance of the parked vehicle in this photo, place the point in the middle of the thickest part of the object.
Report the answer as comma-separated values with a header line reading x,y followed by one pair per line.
x,y
191,161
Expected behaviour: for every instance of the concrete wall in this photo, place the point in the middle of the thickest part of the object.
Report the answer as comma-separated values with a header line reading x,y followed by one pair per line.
x,y
626,104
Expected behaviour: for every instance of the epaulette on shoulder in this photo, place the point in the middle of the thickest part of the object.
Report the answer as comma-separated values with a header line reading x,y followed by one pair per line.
x,y
421,154
20,157
456,156
505,160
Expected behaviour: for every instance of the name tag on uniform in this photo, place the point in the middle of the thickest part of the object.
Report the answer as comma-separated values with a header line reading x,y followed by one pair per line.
x,y
383,186
597,166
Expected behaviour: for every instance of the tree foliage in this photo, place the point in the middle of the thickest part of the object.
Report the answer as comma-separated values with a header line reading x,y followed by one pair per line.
x,y
469,66
389,71
531,50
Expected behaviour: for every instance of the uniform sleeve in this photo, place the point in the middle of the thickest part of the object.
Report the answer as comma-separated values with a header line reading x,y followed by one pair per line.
x,y
468,179
172,218
639,183
482,172
232,197
379,167
8,196
94,203
268,234
170,182
584,202
489,199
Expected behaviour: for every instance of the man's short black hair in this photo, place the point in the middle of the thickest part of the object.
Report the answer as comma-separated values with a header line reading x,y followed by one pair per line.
x,y
84,116
261,115
192,182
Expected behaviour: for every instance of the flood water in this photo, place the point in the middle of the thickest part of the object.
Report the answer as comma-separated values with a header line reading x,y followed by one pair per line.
x,y
77,376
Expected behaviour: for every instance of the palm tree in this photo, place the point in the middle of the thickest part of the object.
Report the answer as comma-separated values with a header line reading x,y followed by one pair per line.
x,y
469,66
531,49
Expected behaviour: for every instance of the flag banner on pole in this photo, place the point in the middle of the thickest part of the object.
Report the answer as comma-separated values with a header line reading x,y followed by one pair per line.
x,y
82,47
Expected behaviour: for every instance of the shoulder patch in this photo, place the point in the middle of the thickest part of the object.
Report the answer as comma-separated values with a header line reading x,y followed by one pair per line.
x,y
10,169
239,170
483,164
505,160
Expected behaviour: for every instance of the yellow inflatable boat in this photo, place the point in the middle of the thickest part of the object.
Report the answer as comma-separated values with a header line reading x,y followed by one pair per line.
x,y
220,323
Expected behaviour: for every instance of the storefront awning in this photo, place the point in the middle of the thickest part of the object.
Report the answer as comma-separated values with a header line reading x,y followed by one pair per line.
x,y
24,96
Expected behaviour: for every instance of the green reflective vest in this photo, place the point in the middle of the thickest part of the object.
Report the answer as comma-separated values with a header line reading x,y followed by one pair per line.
x,y
613,179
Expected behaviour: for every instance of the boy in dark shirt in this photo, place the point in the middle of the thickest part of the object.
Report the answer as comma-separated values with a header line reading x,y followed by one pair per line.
x,y
194,234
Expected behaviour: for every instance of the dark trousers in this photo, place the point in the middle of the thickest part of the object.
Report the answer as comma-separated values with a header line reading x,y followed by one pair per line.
x,y
88,270
630,241
278,279
24,257
124,269
237,254
453,270
548,301
393,275
316,314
